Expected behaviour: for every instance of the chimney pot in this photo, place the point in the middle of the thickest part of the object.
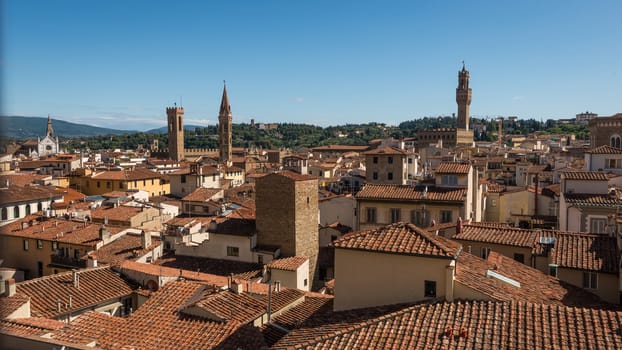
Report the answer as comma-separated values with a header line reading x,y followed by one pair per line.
x,y
9,287
75,278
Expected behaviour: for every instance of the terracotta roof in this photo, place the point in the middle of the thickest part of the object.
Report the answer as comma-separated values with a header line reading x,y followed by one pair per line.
x,y
222,305
288,264
95,286
592,200
15,194
535,286
604,149
123,248
400,238
127,175
120,213
296,316
406,192
505,236
160,323
211,267
55,230
585,175
8,305
22,179
586,252
201,194
453,168
386,151
574,250
468,325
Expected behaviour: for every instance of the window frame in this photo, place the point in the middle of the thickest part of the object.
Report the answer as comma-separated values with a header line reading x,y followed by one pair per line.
x,y
590,280
233,251
429,289
371,213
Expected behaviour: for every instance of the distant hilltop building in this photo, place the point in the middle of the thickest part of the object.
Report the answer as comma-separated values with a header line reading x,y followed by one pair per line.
x,y
48,145
462,135
585,117
606,131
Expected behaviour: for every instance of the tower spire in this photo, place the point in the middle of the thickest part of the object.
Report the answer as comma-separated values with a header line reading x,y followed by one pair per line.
x,y
50,130
225,108
225,126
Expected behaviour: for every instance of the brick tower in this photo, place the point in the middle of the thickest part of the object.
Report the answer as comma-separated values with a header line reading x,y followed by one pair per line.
x,y
175,133
225,119
463,98
287,216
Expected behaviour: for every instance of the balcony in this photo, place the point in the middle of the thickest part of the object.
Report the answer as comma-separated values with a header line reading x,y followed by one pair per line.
x,y
65,261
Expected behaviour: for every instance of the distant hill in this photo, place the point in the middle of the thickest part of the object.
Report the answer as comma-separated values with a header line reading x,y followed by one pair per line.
x,y
164,129
31,127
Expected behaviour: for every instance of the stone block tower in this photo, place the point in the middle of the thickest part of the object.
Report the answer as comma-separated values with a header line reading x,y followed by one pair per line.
x,y
463,98
175,133
287,216
225,124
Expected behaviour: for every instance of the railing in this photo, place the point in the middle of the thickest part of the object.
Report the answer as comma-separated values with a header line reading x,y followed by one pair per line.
x,y
68,261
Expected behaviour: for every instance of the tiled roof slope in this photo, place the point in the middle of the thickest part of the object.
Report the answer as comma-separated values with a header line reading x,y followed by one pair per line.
x,y
604,149
400,238
405,192
201,194
470,325
592,200
585,175
15,194
95,286
288,264
453,168
586,252
506,236
386,151
576,250
535,286
160,324
8,305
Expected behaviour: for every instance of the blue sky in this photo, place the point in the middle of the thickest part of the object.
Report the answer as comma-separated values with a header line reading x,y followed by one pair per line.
x,y
119,64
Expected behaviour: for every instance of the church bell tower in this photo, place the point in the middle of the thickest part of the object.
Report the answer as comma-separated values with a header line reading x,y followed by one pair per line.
x,y
175,117
225,120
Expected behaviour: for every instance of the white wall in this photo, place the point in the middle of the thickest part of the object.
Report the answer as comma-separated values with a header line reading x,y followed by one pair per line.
x,y
338,209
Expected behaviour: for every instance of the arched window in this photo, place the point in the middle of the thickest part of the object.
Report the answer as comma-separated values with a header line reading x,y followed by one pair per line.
x,y
28,209
16,212
5,214
615,141
39,206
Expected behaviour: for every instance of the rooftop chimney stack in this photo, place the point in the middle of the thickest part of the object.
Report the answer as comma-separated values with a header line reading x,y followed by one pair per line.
x,y
9,287
104,234
75,278
91,261
145,239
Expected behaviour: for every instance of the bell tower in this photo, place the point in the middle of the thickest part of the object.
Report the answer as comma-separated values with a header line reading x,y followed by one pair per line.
x,y
463,98
225,120
175,132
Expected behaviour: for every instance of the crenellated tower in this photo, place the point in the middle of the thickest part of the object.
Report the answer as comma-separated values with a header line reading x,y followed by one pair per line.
x,y
463,98
225,123
175,132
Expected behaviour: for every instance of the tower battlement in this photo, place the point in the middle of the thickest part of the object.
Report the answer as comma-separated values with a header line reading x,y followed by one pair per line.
x,y
174,109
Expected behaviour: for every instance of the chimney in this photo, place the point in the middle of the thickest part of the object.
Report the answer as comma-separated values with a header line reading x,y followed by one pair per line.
x,y
449,281
9,287
237,286
104,234
229,280
459,226
145,239
24,225
75,278
91,261
277,286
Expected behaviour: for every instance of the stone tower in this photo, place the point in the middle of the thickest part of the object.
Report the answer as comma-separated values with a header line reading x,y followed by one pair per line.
x,y
50,131
287,216
175,133
225,119
463,98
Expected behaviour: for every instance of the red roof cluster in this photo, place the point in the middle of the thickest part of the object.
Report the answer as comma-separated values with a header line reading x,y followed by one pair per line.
x,y
405,192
